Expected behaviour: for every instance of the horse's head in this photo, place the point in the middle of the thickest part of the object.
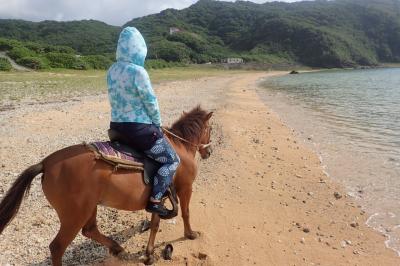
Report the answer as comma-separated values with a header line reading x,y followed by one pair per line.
x,y
193,130
204,147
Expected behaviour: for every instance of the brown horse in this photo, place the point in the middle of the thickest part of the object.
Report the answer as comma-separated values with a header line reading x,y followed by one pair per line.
x,y
74,183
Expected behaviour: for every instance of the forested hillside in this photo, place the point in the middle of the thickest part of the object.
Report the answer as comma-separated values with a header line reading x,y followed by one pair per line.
x,y
337,33
88,37
316,33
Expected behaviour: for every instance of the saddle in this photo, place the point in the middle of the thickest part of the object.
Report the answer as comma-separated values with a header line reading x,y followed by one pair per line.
x,y
122,156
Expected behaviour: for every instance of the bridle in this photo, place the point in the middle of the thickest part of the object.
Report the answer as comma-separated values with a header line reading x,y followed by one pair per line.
x,y
199,147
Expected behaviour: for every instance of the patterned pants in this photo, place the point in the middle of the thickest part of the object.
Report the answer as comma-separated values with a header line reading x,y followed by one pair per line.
x,y
163,153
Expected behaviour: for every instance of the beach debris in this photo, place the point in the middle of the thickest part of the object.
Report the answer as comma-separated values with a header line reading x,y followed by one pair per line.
x,y
306,230
298,176
144,226
337,195
310,193
354,224
202,256
167,252
302,240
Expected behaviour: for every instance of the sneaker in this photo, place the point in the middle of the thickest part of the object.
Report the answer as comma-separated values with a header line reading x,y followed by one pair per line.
x,y
157,207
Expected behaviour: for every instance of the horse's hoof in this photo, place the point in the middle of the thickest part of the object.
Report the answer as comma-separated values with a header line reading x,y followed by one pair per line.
x,y
149,260
167,252
116,250
192,235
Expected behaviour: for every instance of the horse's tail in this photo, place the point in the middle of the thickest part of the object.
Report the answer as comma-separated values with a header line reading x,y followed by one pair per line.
x,y
10,204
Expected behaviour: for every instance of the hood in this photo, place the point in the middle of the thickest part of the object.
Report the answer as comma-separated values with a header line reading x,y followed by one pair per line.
x,y
131,46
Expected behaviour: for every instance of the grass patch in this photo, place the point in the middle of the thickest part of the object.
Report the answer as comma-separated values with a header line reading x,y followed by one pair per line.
x,y
65,85
190,72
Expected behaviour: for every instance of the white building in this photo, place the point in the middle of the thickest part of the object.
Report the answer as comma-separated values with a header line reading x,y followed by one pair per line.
x,y
173,30
232,60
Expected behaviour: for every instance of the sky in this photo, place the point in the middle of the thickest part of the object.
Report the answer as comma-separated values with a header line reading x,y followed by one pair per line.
x,y
114,12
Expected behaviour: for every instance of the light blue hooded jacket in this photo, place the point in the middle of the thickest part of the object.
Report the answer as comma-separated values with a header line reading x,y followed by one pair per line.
x,y
131,96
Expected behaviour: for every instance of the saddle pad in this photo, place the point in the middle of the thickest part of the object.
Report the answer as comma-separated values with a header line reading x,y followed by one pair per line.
x,y
123,157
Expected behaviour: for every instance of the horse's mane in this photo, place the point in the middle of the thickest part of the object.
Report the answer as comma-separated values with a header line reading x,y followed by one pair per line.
x,y
190,125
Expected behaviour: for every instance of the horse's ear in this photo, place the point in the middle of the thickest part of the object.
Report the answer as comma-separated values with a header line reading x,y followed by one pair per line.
x,y
209,115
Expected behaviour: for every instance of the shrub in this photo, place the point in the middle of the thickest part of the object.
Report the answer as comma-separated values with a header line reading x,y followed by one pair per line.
x,y
33,62
19,52
7,45
98,61
5,65
59,49
155,64
35,47
169,51
63,60
191,40
200,58
160,63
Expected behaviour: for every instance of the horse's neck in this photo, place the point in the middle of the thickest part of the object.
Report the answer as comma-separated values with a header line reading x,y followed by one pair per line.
x,y
191,152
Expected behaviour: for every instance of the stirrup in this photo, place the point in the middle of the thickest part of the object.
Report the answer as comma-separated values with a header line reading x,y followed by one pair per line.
x,y
171,195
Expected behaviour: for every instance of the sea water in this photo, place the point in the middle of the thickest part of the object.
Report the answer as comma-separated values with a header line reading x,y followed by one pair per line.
x,y
352,119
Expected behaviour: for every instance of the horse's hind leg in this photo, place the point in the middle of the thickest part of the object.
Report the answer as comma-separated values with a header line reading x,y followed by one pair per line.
x,y
72,218
91,231
68,231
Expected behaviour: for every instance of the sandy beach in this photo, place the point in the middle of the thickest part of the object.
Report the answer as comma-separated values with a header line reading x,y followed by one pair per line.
x,y
262,198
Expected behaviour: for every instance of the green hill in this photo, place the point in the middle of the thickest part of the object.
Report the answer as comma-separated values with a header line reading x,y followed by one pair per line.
x,y
88,37
337,33
316,33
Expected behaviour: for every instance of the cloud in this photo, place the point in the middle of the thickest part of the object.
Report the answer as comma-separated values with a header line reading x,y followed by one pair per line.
x,y
114,12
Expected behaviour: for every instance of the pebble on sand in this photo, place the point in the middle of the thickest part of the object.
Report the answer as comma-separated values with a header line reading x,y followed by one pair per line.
x,y
337,195
354,224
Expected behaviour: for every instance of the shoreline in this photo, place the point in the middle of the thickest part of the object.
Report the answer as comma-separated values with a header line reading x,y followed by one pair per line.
x,y
336,160
262,198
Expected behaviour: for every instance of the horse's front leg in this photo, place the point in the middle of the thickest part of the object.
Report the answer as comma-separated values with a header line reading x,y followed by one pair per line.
x,y
154,224
184,197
